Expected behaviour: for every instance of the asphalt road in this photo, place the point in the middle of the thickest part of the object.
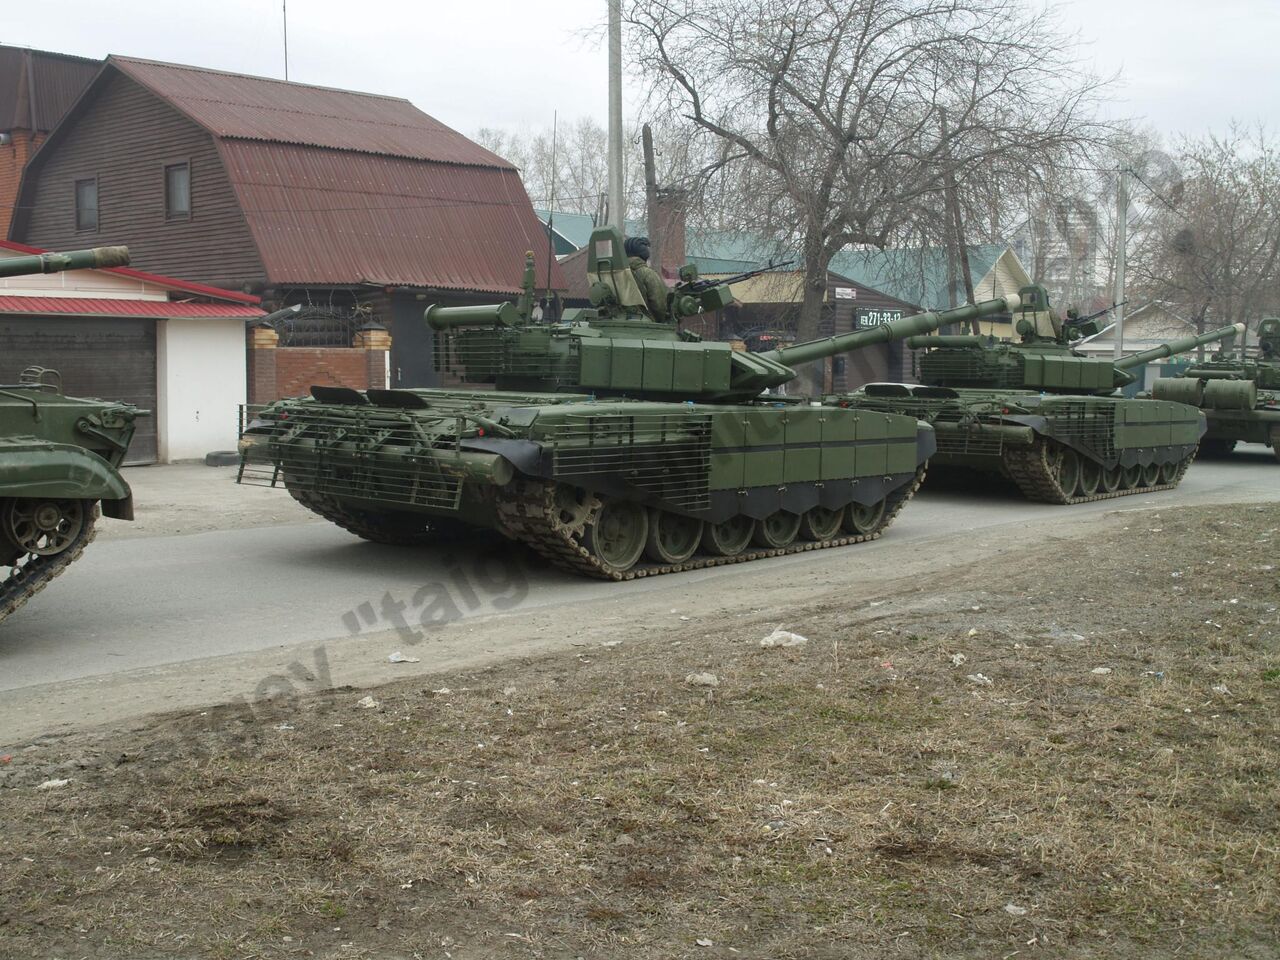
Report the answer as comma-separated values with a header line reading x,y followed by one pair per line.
x,y
138,603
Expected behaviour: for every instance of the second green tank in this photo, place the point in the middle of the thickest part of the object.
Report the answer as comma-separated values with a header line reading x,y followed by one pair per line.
x,y
1039,412
1239,392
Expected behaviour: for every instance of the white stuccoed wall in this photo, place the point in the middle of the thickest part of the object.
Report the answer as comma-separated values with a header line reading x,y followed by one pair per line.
x,y
200,381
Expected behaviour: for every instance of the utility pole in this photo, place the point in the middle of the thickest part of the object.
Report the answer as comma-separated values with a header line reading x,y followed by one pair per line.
x,y
284,16
1122,243
651,200
957,231
617,207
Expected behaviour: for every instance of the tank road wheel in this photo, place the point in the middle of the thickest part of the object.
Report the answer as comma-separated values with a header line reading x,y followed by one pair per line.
x,y
618,536
1275,441
1112,478
864,519
44,528
1150,475
730,537
673,537
1090,477
1169,471
819,523
1130,476
1066,470
777,530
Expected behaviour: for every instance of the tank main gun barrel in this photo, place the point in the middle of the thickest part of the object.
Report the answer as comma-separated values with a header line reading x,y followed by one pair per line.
x,y
95,258
1178,346
893,330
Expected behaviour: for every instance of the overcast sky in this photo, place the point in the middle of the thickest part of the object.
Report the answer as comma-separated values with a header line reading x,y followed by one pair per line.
x,y
1186,65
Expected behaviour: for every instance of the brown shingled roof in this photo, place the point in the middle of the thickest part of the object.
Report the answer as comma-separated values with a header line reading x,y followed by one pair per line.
x,y
37,87
324,216
259,108
341,188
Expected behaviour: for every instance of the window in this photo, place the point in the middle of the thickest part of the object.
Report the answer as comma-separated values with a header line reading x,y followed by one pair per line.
x,y
87,204
177,191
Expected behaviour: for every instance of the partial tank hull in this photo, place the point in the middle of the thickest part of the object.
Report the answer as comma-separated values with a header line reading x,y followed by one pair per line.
x,y
611,489
1055,448
1236,409
59,460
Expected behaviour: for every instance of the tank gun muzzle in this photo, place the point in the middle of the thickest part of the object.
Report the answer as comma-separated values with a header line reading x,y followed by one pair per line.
x,y
1174,347
95,258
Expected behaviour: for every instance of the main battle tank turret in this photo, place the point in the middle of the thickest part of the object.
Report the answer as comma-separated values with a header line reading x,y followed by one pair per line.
x,y
615,349
613,445
1043,358
1239,393
59,457
1042,413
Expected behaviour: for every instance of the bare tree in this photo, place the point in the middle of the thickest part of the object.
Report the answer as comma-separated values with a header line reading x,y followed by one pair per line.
x,y
1212,246
846,119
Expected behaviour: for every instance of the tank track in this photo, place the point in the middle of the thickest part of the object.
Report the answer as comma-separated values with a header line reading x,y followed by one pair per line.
x,y
28,579
1032,472
355,521
528,515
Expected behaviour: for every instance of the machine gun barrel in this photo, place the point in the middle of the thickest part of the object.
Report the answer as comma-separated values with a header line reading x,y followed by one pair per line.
x,y
1178,346
697,286
93,258
893,330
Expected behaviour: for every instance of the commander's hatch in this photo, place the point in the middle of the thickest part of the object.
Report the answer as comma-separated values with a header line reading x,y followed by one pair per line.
x,y
607,265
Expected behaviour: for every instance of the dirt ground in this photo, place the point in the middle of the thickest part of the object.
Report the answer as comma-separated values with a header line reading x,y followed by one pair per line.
x,y
1068,753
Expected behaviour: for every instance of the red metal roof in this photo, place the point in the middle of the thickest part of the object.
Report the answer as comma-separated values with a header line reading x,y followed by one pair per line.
x,y
93,307
336,217
259,108
159,280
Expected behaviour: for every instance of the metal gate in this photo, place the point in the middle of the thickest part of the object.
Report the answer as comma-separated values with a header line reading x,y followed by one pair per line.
x,y
109,358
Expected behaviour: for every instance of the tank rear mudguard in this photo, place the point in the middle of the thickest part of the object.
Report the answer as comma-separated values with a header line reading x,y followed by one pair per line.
x,y
63,472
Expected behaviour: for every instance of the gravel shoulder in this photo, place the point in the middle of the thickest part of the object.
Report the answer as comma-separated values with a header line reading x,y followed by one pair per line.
x,y
1067,748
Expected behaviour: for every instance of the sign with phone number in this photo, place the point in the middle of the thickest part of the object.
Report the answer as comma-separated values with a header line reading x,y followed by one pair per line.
x,y
866,318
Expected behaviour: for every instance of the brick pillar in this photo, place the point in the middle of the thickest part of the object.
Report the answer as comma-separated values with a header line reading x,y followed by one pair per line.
x,y
669,226
375,341
13,157
262,364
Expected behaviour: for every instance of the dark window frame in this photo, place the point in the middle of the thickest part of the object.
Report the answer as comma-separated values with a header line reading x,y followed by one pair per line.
x,y
97,205
170,215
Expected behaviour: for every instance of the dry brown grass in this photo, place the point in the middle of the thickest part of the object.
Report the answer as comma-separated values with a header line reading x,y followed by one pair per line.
x,y
856,797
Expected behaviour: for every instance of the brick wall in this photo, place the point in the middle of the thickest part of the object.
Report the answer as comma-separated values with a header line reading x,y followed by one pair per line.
x,y
276,371
297,368
13,157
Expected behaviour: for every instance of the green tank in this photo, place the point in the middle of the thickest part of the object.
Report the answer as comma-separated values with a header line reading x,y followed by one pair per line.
x,y
1239,393
59,457
612,445
1040,412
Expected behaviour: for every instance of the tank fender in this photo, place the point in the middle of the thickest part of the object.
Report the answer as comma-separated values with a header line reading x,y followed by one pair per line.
x,y
65,472
926,441
525,455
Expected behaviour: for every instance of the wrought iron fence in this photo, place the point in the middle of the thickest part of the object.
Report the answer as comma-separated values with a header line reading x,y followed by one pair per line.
x,y
315,326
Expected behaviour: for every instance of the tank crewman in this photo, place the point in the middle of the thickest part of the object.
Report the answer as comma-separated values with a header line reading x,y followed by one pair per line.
x,y
652,287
